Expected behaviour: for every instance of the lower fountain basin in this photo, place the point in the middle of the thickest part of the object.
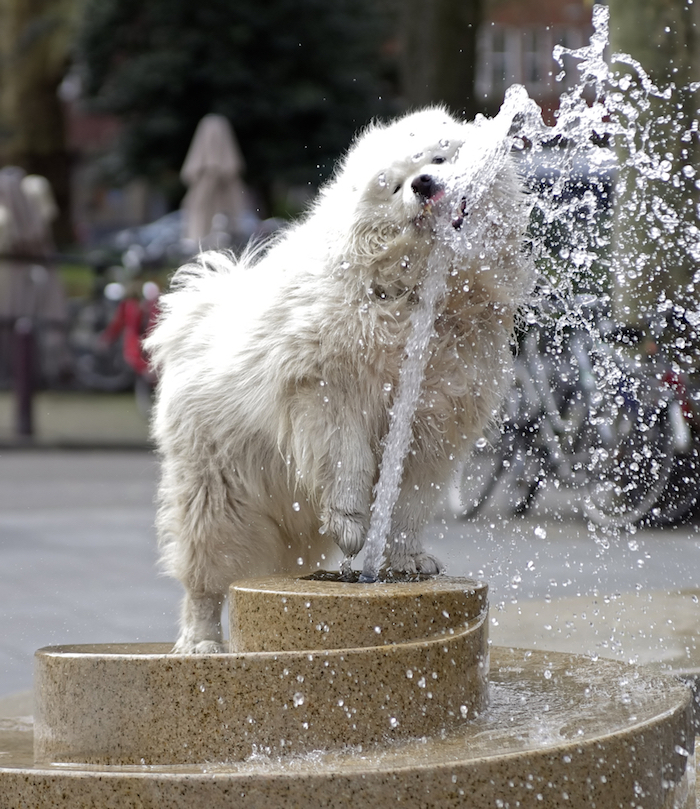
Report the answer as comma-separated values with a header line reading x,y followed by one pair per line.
x,y
561,730
317,716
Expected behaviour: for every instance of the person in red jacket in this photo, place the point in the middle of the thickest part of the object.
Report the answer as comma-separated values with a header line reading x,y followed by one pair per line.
x,y
134,318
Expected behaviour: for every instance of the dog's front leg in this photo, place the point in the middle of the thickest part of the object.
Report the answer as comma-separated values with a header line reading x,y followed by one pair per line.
x,y
347,490
413,509
337,462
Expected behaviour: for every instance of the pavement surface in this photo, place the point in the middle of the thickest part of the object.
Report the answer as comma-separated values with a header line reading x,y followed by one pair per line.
x,y
78,560
76,419
78,555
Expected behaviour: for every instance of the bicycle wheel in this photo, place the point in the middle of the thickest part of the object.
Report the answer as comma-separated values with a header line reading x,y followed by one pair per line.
x,y
678,502
632,464
578,439
523,471
104,370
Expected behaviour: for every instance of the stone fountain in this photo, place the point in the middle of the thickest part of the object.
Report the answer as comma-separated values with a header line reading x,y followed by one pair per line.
x,y
352,694
348,694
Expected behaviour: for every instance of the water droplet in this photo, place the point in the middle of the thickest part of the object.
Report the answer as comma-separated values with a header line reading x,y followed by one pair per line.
x,y
298,699
296,506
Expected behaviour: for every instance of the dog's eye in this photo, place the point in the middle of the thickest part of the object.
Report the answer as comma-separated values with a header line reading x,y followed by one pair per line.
x,y
397,189
438,160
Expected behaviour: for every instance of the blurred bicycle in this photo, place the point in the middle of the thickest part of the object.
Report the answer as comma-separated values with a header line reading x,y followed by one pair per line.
x,y
589,417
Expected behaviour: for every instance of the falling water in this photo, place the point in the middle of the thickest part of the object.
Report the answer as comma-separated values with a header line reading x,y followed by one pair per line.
x,y
603,106
476,170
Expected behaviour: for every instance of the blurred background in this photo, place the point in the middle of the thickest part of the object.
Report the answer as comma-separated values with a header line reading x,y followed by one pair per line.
x,y
132,132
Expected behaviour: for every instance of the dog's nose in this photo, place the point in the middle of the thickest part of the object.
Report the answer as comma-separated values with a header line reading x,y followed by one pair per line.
x,y
425,186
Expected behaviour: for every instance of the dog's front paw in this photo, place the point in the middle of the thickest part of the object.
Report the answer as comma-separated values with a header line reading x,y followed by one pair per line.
x,y
416,563
348,531
185,646
425,563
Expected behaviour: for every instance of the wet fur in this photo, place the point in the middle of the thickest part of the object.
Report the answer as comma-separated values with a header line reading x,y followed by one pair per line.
x,y
278,369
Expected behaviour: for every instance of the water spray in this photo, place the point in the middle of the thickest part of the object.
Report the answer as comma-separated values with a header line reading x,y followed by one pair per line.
x,y
477,167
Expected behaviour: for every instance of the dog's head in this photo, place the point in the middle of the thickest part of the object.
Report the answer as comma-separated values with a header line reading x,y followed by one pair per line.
x,y
424,177
393,176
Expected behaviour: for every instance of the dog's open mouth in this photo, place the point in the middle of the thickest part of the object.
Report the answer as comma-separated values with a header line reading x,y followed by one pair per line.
x,y
429,205
459,213
460,216
437,196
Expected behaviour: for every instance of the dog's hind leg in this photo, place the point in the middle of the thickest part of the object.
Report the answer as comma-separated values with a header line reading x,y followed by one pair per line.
x,y
199,548
201,624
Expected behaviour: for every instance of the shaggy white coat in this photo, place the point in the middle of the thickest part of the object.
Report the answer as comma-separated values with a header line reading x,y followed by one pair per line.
x,y
277,370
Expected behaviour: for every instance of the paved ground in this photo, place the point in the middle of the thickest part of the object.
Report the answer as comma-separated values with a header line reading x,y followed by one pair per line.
x,y
73,419
557,582
78,565
77,555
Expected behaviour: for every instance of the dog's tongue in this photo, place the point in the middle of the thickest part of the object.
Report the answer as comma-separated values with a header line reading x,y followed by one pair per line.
x,y
437,196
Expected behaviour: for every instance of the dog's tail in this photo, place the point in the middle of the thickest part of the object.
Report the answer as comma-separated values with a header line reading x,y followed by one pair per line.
x,y
194,274
194,288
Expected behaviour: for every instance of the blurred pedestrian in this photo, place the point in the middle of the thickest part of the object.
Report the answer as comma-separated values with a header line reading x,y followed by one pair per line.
x,y
133,320
30,286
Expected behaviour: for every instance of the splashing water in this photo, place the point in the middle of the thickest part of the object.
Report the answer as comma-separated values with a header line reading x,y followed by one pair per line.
x,y
475,174
399,436
605,106
615,106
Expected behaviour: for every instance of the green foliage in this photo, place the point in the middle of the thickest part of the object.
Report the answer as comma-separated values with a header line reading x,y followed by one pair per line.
x,y
295,77
77,280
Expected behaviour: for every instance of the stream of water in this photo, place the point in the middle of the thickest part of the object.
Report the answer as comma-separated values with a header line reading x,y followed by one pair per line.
x,y
602,124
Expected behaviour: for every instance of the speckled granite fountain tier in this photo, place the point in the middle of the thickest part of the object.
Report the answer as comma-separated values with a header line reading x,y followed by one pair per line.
x,y
560,731
287,695
298,614
396,716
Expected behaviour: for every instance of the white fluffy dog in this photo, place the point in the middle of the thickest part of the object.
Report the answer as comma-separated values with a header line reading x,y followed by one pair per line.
x,y
278,370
